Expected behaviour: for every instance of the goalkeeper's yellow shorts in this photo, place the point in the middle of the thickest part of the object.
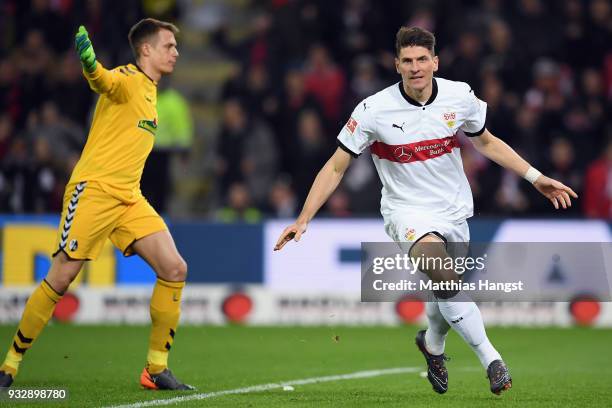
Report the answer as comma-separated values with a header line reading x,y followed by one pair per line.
x,y
90,216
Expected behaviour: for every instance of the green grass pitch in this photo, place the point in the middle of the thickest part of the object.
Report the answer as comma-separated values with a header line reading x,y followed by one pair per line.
x,y
100,366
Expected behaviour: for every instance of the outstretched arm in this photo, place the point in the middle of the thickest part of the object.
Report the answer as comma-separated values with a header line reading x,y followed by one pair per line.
x,y
499,152
100,80
324,185
85,50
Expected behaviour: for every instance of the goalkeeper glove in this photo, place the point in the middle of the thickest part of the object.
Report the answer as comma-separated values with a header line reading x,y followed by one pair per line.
x,y
85,50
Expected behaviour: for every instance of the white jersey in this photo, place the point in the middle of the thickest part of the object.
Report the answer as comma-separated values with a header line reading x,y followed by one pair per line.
x,y
415,149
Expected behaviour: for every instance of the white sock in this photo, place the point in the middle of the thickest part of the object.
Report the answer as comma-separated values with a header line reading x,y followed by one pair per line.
x,y
435,336
466,319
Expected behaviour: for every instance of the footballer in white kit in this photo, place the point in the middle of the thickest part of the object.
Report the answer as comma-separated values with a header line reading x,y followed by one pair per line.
x,y
411,130
416,153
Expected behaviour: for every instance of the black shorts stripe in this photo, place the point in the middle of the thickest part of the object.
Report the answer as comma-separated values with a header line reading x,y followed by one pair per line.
x,y
436,233
71,210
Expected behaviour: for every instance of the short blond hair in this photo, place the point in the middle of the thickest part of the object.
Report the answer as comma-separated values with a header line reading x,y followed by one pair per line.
x,y
146,28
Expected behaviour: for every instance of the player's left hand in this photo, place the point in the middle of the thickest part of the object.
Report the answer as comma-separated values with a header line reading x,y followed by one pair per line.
x,y
555,191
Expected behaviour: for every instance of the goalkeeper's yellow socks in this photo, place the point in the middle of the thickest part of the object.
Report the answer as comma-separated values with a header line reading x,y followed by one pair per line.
x,y
165,312
36,315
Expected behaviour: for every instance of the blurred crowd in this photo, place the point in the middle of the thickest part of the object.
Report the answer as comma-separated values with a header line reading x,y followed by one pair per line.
x,y
543,67
45,103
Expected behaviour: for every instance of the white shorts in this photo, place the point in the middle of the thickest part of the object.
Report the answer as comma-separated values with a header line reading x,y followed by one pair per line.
x,y
408,228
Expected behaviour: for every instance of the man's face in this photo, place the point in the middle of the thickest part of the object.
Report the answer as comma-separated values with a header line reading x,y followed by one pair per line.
x,y
416,65
162,52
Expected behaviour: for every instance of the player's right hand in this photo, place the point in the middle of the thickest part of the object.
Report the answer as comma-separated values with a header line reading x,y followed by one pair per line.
x,y
85,49
293,231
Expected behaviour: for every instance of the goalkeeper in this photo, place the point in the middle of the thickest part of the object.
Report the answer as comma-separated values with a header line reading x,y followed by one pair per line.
x,y
103,200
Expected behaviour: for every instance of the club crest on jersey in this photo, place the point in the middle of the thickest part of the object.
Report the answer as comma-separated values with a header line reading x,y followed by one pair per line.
x,y
148,125
74,244
410,234
351,125
449,118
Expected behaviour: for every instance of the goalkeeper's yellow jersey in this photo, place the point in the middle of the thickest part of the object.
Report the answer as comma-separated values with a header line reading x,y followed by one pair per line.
x,y
122,133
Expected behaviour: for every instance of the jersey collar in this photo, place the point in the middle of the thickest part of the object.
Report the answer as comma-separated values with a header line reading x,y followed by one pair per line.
x,y
434,93
143,73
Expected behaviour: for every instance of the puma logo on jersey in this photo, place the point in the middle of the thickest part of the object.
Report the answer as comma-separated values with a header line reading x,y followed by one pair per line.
x,y
399,127
148,99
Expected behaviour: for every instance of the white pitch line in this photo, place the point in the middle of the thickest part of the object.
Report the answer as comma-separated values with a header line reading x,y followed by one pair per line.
x,y
272,386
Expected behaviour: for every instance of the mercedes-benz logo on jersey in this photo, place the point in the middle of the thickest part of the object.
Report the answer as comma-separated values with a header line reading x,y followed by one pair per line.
x,y
402,153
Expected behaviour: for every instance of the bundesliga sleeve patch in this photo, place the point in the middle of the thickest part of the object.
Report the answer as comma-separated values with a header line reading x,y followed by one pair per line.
x,y
351,125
